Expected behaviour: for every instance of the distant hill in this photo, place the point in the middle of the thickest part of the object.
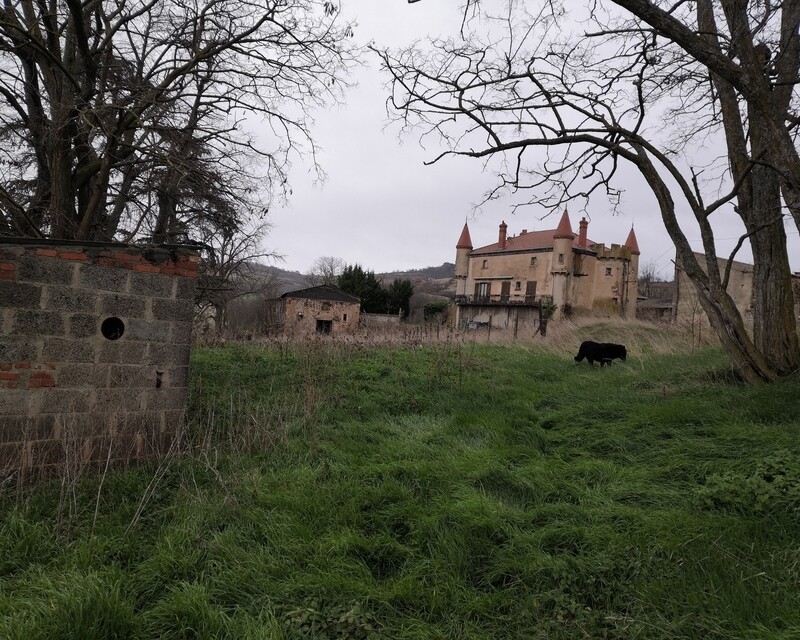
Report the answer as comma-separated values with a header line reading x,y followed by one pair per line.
x,y
284,280
445,270
438,282
435,278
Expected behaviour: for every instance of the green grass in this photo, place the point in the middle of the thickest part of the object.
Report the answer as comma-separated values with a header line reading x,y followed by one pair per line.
x,y
458,491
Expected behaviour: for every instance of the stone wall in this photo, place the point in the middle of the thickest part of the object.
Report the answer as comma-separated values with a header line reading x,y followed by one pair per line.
x,y
686,307
380,319
301,316
94,350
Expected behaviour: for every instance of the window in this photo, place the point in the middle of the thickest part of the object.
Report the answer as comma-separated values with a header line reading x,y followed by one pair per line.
x,y
484,289
517,286
533,261
560,258
608,271
485,264
344,317
326,306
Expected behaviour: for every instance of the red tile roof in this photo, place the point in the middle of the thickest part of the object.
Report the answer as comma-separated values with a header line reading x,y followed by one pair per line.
x,y
530,241
464,241
564,229
632,244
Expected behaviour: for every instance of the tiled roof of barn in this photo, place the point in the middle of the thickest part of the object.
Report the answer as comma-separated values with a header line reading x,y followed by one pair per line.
x,y
323,292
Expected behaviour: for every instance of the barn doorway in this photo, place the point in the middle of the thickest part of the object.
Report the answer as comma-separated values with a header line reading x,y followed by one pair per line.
x,y
325,327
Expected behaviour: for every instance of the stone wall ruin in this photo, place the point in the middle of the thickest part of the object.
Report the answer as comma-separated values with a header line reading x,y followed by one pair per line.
x,y
94,350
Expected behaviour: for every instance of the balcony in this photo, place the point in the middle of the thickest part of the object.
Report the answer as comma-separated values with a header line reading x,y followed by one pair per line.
x,y
526,301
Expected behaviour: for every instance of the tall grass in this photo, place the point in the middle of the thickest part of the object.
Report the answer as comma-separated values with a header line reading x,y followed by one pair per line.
x,y
421,489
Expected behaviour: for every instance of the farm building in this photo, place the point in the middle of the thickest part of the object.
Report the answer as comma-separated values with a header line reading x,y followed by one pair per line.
x,y
324,309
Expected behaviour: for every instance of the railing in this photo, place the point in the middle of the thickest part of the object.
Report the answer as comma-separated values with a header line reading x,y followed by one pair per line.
x,y
530,301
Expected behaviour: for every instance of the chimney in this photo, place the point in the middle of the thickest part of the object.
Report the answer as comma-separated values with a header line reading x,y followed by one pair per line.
x,y
524,231
502,238
584,225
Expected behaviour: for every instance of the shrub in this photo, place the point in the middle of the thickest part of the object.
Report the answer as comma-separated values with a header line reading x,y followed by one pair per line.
x,y
432,310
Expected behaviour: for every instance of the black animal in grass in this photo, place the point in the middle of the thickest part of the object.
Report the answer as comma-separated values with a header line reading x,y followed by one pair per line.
x,y
603,352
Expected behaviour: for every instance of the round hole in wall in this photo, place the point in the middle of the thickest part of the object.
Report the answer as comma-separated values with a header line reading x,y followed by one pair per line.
x,y
112,328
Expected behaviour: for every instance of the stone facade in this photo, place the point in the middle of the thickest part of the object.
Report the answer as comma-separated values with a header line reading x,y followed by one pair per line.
x,y
556,267
94,350
380,319
686,307
324,310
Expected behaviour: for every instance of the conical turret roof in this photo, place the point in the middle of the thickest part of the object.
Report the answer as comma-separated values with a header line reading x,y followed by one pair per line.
x,y
632,244
564,229
464,241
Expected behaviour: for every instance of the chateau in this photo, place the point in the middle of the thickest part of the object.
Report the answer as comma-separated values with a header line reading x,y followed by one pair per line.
x,y
555,268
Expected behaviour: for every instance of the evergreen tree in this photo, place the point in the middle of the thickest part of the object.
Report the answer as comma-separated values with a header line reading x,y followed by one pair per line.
x,y
366,286
399,294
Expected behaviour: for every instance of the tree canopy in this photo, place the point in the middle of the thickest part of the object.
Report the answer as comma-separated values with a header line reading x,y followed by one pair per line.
x,y
325,270
375,298
131,119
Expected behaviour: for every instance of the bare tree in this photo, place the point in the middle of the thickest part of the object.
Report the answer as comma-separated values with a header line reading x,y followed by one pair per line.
x,y
648,87
231,269
135,117
648,275
325,270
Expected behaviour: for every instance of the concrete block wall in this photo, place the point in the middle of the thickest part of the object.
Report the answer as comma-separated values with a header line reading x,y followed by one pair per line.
x,y
94,350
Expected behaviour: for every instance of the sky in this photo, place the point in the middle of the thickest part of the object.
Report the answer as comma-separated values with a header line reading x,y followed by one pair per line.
x,y
382,208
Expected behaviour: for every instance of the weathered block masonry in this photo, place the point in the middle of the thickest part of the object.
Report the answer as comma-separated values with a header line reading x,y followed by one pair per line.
x,y
94,350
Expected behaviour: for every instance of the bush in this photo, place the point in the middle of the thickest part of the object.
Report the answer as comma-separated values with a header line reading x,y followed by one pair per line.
x,y
432,310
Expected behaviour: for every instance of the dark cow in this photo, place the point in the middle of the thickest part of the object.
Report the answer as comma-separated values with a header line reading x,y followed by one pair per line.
x,y
603,352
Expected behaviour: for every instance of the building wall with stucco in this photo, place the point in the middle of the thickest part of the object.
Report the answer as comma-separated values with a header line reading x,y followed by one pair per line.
x,y
516,268
557,267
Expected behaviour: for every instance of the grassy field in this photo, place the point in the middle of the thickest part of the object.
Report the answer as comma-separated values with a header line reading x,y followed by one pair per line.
x,y
458,490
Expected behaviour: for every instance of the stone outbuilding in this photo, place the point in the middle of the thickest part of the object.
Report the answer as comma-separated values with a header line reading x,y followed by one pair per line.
x,y
324,309
557,268
686,307
94,350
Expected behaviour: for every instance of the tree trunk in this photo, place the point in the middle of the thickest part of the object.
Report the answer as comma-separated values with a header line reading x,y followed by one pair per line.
x,y
759,196
729,327
720,308
774,325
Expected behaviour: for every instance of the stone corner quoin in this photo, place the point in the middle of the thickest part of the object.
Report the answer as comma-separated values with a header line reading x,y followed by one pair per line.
x,y
94,349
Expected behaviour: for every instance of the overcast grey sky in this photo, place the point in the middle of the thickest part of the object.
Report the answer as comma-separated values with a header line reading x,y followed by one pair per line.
x,y
383,209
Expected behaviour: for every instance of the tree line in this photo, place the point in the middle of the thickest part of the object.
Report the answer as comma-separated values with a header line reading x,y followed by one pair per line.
x,y
375,297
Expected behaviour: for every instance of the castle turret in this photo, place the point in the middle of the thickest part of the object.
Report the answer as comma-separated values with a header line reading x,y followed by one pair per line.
x,y
562,261
463,249
632,278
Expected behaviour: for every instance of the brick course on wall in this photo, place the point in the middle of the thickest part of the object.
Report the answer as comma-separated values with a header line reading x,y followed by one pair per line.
x,y
66,389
